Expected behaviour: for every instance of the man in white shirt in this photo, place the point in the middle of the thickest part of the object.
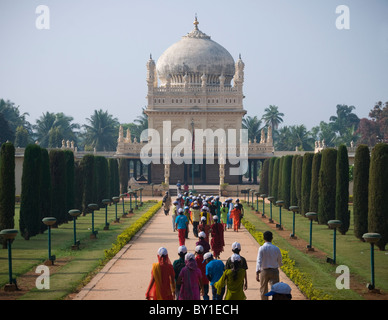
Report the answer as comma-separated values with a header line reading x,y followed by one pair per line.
x,y
269,259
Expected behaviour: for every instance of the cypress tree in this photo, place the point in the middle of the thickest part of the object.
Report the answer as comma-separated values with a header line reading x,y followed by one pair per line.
x,y
264,177
70,181
7,187
298,179
275,179
88,185
378,193
286,180
293,198
58,185
29,223
327,186
342,212
360,190
315,167
114,188
306,182
45,188
102,182
78,185
123,171
270,174
280,189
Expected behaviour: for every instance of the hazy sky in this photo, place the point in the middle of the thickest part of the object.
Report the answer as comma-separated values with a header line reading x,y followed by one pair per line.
x,y
94,54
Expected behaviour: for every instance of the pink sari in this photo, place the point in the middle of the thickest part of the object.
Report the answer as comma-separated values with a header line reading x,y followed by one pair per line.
x,y
191,275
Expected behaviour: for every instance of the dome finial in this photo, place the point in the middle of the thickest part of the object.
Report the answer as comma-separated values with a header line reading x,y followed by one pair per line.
x,y
196,22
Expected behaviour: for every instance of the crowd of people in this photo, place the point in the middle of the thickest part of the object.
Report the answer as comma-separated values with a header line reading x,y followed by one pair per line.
x,y
194,275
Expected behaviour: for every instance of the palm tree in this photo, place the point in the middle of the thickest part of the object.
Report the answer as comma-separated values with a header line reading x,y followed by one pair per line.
x,y
252,124
345,119
324,132
102,132
272,117
55,122
301,138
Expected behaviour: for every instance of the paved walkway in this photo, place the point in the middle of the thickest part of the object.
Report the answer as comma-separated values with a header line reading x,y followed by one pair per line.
x,y
127,275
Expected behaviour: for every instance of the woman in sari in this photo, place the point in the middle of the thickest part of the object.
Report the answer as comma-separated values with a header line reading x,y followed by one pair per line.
x,y
224,214
217,242
234,279
162,284
190,279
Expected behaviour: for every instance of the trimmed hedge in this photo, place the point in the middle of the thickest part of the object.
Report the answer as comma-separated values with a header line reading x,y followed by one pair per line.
x,y
378,194
360,190
128,233
342,212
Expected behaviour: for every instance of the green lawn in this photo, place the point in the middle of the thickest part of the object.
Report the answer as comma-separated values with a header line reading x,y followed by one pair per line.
x,y
28,254
351,252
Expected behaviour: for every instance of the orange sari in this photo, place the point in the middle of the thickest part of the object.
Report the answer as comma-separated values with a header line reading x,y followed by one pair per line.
x,y
162,284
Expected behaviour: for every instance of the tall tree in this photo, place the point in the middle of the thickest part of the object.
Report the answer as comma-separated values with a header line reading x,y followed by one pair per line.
x,y
286,180
45,188
315,167
306,182
7,187
360,190
88,184
275,180
344,119
342,212
263,188
101,132
272,117
253,125
58,185
327,186
378,194
29,222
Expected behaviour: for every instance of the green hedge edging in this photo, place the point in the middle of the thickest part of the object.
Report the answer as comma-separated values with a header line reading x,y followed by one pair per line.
x,y
302,280
128,233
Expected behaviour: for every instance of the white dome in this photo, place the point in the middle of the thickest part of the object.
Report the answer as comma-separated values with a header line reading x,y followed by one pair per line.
x,y
195,55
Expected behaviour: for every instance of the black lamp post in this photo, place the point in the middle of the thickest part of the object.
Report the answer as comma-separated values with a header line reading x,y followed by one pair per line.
x,y
93,207
311,216
75,213
9,235
293,209
49,221
106,202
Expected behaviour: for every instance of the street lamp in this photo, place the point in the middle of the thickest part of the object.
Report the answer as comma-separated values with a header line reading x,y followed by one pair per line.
x,y
311,216
75,213
271,200
280,204
49,221
9,235
293,209
141,199
257,201
106,202
372,238
93,207
333,224
116,201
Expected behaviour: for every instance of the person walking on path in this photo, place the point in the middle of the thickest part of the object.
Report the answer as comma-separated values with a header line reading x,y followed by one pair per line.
x,y
196,218
162,284
236,216
217,241
204,227
186,212
190,279
269,260
230,208
174,214
202,267
178,265
241,208
224,214
166,203
214,271
202,242
181,224
234,279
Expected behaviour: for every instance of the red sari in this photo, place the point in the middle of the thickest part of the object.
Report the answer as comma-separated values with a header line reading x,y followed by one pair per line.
x,y
236,216
162,282
217,241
